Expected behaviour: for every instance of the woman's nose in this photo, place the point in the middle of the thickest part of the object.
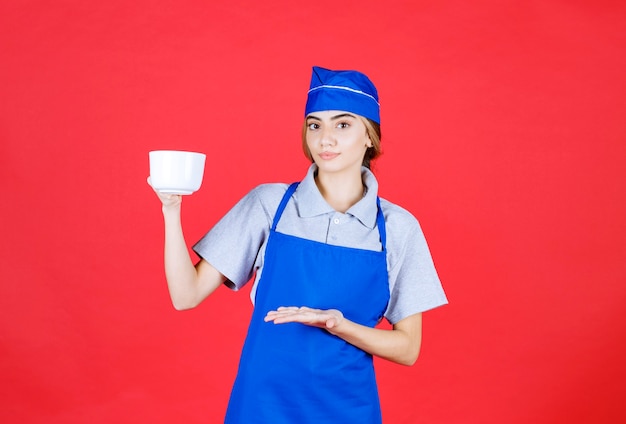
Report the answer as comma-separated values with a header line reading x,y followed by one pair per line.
x,y
327,138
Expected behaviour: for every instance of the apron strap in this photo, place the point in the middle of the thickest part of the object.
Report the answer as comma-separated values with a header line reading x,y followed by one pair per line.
x,y
283,203
380,222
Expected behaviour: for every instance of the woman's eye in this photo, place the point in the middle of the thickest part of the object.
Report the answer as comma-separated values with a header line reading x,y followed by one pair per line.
x,y
313,126
343,125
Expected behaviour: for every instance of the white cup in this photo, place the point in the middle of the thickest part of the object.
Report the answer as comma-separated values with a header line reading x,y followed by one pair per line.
x,y
175,171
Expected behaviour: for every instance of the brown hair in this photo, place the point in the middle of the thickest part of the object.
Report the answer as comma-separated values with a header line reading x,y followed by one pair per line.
x,y
373,132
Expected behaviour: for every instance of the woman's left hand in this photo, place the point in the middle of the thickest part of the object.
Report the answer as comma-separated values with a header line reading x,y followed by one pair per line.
x,y
328,319
401,344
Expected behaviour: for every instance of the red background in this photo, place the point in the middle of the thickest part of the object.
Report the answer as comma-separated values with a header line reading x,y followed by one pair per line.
x,y
504,132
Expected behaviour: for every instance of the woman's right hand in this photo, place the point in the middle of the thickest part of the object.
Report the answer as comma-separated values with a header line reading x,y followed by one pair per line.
x,y
169,201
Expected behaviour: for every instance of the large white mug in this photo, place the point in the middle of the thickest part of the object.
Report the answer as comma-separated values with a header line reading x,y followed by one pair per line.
x,y
175,171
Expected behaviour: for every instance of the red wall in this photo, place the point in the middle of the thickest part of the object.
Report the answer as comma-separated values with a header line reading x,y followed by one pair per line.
x,y
504,132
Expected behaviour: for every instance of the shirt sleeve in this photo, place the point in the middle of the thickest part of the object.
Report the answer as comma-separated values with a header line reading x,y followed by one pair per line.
x,y
414,284
234,245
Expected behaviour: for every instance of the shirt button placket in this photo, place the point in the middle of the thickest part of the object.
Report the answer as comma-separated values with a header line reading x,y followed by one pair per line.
x,y
332,230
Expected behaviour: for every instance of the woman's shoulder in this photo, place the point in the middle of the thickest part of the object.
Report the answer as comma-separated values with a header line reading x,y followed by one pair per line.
x,y
268,195
258,205
268,191
396,215
402,226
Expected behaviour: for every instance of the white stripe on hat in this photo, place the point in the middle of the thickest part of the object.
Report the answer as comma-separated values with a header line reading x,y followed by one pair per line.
x,y
345,88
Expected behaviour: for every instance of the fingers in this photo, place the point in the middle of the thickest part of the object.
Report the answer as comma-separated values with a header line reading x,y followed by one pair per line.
x,y
287,311
288,314
166,199
304,315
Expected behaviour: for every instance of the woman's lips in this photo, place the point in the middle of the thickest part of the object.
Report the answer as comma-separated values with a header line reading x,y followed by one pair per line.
x,y
328,155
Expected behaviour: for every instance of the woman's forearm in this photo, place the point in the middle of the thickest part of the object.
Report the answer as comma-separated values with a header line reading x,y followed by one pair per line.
x,y
400,345
180,272
188,284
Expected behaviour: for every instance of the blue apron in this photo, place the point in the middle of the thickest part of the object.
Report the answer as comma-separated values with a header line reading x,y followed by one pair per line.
x,y
297,374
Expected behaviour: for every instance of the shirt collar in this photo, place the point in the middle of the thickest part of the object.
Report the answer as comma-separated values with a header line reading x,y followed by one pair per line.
x,y
311,202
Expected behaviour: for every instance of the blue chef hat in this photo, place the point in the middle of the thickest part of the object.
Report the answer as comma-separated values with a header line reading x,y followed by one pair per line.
x,y
350,91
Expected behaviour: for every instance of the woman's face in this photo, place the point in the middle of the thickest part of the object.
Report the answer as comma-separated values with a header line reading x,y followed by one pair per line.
x,y
337,140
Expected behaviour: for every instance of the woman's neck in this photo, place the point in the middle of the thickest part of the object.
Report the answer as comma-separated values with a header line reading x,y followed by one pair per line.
x,y
339,190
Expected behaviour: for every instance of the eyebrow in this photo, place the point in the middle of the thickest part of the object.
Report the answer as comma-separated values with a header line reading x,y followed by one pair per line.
x,y
334,118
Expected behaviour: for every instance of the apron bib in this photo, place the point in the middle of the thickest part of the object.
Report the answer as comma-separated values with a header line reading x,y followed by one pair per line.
x,y
296,374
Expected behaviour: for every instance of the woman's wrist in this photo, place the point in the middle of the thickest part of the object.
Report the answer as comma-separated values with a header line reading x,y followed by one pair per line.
x,y
172,210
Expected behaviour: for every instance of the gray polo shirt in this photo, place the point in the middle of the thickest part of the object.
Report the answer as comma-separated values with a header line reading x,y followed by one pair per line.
x,y
236,244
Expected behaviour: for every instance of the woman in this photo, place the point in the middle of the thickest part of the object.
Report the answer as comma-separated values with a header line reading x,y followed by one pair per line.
x,y
330,259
